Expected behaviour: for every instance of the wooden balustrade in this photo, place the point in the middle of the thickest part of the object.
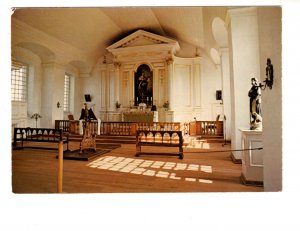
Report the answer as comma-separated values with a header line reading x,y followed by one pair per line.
x,y
118,128
63,125
206,128
160,126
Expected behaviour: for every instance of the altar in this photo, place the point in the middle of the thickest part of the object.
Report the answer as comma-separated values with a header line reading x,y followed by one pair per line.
x,y
138,116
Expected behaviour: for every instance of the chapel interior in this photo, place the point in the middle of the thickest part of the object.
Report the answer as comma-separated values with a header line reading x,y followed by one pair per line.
x,y
163,80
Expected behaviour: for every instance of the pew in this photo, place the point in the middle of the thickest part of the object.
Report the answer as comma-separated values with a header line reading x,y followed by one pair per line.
x,y
159,138
44,135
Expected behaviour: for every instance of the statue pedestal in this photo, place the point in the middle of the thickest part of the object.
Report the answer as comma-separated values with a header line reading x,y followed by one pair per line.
x,y
89,139
252,157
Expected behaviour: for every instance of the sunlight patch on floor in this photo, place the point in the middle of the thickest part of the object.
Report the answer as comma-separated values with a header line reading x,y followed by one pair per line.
x,y
195,143
157,168
205,181
205,168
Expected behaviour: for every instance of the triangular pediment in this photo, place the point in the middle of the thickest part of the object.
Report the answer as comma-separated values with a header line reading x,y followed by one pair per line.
x,y
141,38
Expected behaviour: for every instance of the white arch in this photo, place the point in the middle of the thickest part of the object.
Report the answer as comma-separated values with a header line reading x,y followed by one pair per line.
x,y
220,32
46,55
82,67
141,63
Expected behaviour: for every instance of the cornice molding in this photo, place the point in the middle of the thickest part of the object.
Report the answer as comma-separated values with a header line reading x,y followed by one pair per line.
x,y
242,11
143,44
141,34
239,11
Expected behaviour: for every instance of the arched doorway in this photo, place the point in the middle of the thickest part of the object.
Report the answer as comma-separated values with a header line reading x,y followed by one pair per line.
x,y
143,85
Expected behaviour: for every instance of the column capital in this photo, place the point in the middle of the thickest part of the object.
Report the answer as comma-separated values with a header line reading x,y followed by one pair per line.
x,y
239,11
169,60
117,64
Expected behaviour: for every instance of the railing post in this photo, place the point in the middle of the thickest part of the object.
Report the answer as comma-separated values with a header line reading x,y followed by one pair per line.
x,y
60,167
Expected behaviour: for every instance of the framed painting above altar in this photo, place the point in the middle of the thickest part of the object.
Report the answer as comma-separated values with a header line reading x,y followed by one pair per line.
x,y
143,85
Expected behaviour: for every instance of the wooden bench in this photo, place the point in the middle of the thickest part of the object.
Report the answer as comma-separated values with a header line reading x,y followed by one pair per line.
x,y
159,138
49,135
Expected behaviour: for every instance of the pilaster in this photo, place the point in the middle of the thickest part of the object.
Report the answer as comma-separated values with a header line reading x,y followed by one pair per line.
x,y
244,60
52,93
226,91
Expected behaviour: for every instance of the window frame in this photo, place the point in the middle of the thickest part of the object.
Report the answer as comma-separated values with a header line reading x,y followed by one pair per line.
x,y
67,92
19,82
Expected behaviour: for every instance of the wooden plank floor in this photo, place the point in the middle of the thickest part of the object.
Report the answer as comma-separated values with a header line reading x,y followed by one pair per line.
x,y
119,171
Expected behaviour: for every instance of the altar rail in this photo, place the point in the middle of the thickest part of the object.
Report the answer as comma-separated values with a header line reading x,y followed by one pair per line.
x,y
72,126
118,128
201,128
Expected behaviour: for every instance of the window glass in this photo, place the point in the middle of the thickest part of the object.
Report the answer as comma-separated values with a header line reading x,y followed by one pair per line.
x,y
19,83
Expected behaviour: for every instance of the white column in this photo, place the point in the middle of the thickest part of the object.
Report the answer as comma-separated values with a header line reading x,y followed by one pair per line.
x,y
243,37
156,87
117,82
103,92
169,87
226,92
52,93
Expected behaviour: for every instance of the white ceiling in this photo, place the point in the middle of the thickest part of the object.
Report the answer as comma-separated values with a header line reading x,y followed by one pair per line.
x,y
94,29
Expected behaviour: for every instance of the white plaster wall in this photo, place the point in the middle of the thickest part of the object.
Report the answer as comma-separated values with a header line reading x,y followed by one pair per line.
x,y
49,59
90,85
194,85
211,81
269,22
23,111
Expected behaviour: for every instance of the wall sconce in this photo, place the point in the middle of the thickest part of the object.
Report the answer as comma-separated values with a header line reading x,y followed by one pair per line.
x,y
268,82
58,104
